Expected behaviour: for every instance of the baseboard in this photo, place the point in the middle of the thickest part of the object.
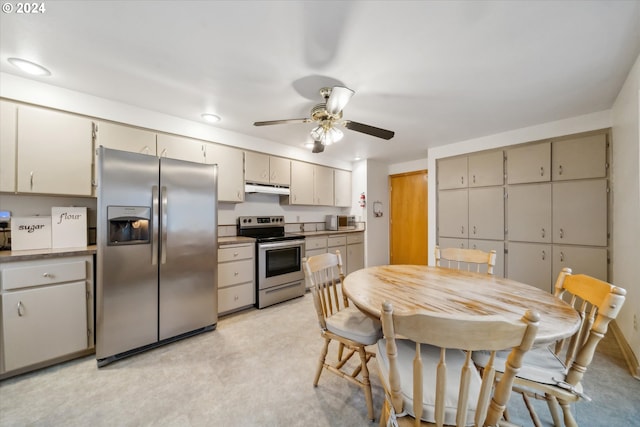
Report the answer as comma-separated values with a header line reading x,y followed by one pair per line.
x,y
629,357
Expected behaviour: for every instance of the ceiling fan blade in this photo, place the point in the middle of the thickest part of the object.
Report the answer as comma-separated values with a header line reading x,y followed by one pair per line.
x,y
338,99
281,122
369,130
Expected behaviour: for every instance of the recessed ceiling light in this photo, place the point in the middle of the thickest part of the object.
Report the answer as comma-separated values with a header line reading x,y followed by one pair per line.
x,y
29,67
211,118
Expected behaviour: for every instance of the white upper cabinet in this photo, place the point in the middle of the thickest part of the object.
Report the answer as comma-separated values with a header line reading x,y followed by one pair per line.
x,y
452,173
577,158
323,185
529,163
8,125
54,152
486,169
301,190
230,163
265,169
342,188
125,138
180,148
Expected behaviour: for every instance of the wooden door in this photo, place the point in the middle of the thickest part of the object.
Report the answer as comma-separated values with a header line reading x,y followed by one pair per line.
x,y
408,222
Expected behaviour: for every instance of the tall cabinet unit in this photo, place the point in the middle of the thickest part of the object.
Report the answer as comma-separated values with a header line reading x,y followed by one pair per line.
x,y
471,203
555,207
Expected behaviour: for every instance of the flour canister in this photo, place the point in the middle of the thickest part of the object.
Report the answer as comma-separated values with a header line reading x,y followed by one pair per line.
x,y
69,227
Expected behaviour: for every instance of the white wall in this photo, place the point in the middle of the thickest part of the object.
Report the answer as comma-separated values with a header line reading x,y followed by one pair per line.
x,y
625,184
377,233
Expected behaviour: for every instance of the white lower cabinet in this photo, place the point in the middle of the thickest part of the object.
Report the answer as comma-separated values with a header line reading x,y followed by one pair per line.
x,y
47,311
355,252
236,277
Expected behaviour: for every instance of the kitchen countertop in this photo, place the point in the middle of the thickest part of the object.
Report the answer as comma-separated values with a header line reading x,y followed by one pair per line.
x,y
10,256
234,239
327,232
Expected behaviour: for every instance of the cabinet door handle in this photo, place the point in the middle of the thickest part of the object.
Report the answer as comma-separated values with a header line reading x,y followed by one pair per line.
x,y
235,273
462,229
561,256
474,229
544,255
145,149
31,180
49,275
542,233
462,180
541,171
235,254
560,170
474,179
163,153
20,309
561,233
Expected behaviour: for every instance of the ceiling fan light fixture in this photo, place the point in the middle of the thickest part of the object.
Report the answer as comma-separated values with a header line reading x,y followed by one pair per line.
x,y
326,135
29,67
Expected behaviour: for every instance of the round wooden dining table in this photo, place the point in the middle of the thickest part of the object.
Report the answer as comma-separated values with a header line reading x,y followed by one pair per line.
x,y
412,288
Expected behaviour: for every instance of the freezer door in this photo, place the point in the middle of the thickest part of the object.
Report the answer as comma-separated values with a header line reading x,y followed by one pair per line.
x,y
188,247
126,274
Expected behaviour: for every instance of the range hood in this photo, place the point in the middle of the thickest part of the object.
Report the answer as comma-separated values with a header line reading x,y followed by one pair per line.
x,y
268,189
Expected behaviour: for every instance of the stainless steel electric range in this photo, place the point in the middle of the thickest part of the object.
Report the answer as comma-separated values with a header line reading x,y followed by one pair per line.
x,y
280,276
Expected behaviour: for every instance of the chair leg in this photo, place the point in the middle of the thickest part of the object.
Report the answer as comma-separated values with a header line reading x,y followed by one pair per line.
x,y
384,413
323,356
366,384
552,403
532,412
569,421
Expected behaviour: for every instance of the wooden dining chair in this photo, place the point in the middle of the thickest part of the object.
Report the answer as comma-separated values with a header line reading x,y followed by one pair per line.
x,y
555,373
346,325
428,375
472,259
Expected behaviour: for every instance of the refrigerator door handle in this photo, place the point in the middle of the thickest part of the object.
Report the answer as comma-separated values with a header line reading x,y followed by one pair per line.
x,y
163,226
154,226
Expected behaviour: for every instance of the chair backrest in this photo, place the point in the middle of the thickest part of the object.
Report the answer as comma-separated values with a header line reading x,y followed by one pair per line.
x,y
324,274
451,334
598,303
472,259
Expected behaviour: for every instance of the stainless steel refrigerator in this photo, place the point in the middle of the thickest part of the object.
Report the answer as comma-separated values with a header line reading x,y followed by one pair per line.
x,y
156,270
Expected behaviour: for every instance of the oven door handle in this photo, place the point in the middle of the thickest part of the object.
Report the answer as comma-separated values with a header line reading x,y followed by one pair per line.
x,y
283,244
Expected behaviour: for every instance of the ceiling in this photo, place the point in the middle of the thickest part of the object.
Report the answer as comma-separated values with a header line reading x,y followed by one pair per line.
x,y
434,72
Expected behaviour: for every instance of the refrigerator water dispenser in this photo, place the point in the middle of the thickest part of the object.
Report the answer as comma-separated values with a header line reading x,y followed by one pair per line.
x,y
128,225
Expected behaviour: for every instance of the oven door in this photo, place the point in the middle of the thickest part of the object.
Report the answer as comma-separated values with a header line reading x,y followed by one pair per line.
x,y
280,262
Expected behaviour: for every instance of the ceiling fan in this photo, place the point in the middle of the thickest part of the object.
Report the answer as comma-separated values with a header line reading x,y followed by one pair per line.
x,y
329,114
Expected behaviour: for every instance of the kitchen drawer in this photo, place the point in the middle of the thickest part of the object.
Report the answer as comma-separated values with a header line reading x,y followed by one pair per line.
x,y
336,241
232,253
232,273
315,243
34,273
355,238
233,297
